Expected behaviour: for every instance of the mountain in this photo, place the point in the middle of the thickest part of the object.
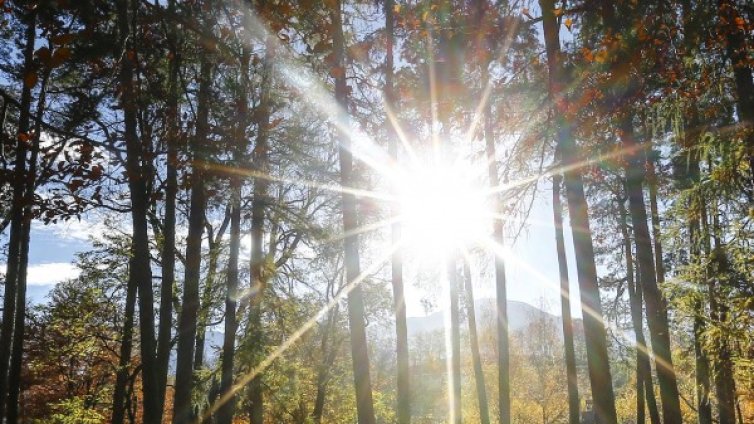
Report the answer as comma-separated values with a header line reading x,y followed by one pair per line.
x,y
520,315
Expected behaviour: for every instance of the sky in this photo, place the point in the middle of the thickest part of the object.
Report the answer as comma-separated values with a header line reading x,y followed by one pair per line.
x,y
532,277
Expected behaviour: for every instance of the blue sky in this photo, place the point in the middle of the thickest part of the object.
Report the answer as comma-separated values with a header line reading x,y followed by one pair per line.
x,y
532,276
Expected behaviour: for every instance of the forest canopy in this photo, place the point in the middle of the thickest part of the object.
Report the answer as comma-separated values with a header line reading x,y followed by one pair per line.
x,y
283,209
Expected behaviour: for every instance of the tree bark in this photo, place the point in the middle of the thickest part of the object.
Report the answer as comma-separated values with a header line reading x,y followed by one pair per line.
x,y
140,272
501,292
172,123
645,390
356,319
187,320
227,406
724,384
16,237
594,324
481,388
260,204
126,345
657,315
16,360
455,344
403,411
702,371
226,409
565,304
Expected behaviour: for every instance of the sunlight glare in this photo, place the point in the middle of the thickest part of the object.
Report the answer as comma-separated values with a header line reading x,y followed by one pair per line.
x,y
444,209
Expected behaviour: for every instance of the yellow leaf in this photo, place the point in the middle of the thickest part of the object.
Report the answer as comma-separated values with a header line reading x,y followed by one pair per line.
x,y
568,23
558,11
397,8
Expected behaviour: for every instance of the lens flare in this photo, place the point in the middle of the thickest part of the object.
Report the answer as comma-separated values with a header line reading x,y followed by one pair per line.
x,y
443,209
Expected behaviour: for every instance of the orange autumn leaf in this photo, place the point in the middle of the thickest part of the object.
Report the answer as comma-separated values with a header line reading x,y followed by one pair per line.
x,y
30,79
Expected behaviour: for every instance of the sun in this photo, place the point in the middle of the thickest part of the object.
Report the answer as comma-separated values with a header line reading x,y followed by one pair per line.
x,y
443,209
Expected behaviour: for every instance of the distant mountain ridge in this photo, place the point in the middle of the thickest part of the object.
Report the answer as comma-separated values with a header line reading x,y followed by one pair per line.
x,y
520,315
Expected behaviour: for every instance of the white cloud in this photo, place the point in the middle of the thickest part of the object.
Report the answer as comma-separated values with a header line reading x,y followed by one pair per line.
x,y
49,273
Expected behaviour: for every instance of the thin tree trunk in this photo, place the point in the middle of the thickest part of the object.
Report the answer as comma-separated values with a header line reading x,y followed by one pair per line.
x,y
594,324
226,409
228,401
126,345
645,391
403,412
172,123
697,240
455,343
660,268
187,319
481,389
565,304
724,385
702,374
16,237
140,272
356,319
657,315
501,292
16,360
260,205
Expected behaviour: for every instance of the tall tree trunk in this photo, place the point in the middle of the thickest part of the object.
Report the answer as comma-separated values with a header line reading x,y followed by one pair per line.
x,y
454,388
594,324
356,319
657,315
645,390
698,240
16,238
565,304
172,123
227,406
501,292
702,371
724,401
260,205
226,409
140,272
481,389
16,360
187,319
403,412
660,268
126,345
724,385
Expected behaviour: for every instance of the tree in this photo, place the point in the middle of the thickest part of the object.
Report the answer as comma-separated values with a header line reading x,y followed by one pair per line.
x,y
360,356
140,273
596,343
565,304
